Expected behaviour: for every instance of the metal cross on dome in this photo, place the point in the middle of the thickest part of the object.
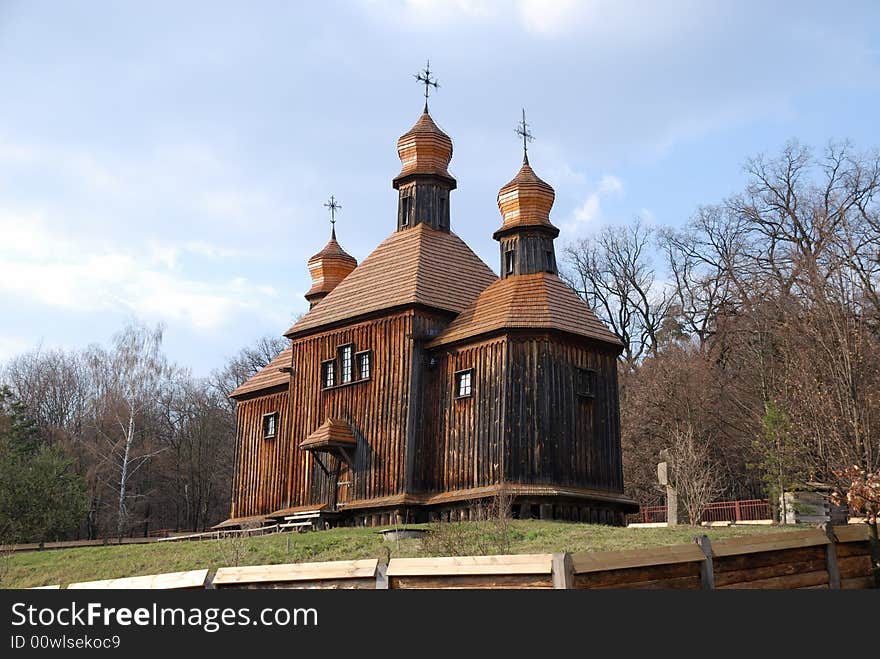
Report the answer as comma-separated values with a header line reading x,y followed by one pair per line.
x,y
333,206
424,77
522,129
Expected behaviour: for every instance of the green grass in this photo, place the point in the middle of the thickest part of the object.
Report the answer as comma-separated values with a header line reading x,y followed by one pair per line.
x,y
64,566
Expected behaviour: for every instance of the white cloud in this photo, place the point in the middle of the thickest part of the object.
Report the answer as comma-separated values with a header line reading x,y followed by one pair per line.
x,y
590,210
609,184
67,272
539,17
548,18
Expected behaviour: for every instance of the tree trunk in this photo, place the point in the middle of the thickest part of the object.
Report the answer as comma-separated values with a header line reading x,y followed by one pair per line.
x,y
123,479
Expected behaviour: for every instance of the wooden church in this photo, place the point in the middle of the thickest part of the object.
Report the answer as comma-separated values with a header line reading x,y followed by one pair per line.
x,y
420,385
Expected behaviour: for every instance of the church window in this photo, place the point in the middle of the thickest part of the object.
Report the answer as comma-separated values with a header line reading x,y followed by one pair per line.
x,y
550,265
586,382
346,361
405,210
464,383
509,261
270,425
364,365
329,373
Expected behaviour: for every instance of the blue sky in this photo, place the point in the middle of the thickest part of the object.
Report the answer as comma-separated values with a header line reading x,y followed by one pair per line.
x,y
169,161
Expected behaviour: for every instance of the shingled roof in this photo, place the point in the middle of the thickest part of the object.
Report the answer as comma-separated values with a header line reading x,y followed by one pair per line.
x,y
332,434
269,376
420,265
535,301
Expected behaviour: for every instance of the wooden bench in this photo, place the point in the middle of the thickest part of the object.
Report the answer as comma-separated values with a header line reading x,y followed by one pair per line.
x,y
307,520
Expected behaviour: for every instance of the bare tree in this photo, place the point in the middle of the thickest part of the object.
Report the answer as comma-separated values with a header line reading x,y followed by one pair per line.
x,y
694,473
246,363
704,259
614,273
130,379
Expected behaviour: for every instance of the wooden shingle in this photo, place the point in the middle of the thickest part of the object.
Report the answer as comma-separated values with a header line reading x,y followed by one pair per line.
x,y
538,301
417,266
270,376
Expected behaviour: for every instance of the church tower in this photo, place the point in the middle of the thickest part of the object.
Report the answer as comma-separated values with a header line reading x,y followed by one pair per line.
x,y
424,183
526,234
331,265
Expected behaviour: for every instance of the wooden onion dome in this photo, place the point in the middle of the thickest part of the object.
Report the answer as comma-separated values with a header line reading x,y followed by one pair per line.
x,y
328,267
526,200
526,234
424,149
424,181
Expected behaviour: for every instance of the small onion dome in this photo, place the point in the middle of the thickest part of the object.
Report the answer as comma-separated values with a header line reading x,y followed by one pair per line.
x,y
328,267
526,201
424,149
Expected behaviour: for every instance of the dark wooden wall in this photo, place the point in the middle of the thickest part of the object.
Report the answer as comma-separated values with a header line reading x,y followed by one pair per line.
x,y
555,436
533,252
259,486
377,410
463,436
525,420
524,423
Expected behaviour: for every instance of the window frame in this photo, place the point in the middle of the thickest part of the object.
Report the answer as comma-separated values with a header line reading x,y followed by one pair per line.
x,y
406,209
509,261
357,361
324,369
456,383
586,382
266,417
340,351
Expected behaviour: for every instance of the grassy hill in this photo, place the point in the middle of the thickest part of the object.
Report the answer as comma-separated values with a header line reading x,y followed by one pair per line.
x,y
64,566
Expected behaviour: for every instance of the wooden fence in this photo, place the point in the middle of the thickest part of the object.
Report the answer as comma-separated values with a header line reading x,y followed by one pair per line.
x,y
838,557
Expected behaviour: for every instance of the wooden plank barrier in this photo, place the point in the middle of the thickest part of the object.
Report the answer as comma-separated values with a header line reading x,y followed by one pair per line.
x,y
827,557
777,561
509,571
169,581
675,567
853,543
338,574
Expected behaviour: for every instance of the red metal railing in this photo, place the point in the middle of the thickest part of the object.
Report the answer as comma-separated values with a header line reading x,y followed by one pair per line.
x,y
647,515
737,511
718,511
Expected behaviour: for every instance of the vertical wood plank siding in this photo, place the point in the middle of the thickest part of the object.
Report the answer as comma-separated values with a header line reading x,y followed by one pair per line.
x,y
465,434
375,408
524,422
555,436
259,472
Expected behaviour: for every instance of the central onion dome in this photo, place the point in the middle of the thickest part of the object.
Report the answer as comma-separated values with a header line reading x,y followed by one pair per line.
x,y
526,200
424,150
328,267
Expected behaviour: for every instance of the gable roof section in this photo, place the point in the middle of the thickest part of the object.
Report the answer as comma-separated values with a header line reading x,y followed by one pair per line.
x,y
536,301
420,265
268,376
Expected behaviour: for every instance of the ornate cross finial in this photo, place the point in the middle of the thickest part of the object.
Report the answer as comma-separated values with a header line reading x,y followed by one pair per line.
x,y
522,129
333,206
424,77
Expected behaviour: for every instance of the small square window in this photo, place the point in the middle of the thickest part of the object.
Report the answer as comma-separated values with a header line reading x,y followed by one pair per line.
x,y
270,425
586,379
328,375
364,366
464,383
